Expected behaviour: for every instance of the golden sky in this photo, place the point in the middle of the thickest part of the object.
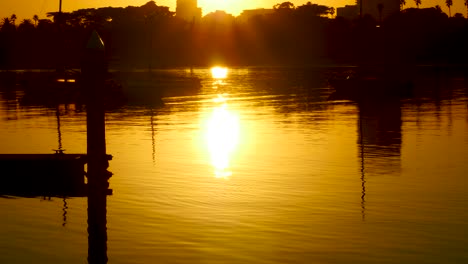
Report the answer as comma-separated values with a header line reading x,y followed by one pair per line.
x,y
27,8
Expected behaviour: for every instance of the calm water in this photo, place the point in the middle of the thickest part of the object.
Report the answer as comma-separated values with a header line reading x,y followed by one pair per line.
x,y
257,167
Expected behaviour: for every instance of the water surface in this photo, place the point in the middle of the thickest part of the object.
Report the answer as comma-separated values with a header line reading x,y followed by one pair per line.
x,y
257,167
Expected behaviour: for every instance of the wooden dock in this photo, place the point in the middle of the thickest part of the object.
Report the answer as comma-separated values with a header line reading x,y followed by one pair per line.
x,y
32,175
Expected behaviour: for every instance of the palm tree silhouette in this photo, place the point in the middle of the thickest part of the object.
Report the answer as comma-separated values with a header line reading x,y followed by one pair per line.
x,y
35,18
418,2
449,3
13,18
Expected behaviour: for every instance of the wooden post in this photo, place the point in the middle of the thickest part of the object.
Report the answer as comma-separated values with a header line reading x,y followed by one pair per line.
x,y
94,70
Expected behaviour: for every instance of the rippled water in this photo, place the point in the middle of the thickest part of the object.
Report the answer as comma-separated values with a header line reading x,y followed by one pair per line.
x,y
258,167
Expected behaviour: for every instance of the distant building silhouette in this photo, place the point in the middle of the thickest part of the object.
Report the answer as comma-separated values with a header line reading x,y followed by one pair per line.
x,y
348,11
188,10
219,17
250,13
379,9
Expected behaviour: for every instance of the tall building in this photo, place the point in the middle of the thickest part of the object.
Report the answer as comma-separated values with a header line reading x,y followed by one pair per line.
x,y
188,10
379,9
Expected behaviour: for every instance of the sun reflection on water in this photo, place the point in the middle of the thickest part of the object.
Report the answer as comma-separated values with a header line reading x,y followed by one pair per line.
x,y
222,137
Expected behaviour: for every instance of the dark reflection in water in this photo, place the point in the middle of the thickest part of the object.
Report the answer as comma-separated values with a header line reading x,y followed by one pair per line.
x,y
97,229
153,142
10,99
379,139
363,185
30,175
59,131
380,135
65,207
97,214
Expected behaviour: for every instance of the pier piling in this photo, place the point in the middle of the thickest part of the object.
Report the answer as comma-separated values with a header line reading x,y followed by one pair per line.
x,y
94,70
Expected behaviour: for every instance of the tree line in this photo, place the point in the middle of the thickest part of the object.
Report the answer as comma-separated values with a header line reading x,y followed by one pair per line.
x,y
448,3
152,36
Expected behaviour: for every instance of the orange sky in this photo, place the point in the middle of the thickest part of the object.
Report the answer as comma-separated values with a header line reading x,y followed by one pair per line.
x,y
27,8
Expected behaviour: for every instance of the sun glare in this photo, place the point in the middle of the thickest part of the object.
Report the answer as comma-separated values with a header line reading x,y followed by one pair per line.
x,y
219,72
222,137
230,6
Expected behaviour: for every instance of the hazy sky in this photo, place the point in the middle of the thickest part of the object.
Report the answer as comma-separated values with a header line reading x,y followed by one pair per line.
x,y
27,8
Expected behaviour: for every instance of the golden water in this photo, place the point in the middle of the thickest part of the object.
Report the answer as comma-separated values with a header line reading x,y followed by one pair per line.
x,y
257,167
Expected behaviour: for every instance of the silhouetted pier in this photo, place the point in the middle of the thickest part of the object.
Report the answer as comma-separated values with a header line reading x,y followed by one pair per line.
x,y
63,174
44,174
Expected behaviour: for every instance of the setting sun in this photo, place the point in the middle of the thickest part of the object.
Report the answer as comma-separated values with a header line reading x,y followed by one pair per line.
x,y
230,6
219,72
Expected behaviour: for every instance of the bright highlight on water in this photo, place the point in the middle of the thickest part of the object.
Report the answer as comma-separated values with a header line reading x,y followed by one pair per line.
x,y
222,137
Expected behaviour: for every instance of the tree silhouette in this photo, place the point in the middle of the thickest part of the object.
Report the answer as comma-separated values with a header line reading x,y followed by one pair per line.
x,y
26,25
449,3
26,22
403,3
285,5
35,18
7,25
418,2
310,9
466,4
290,35
5,22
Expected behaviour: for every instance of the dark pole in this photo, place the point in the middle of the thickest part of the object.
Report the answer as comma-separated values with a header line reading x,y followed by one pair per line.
x,y
94,70
192,41
150,66
60,50
360,8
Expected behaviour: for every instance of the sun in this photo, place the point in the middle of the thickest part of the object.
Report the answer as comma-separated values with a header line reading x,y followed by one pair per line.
x,y
219,72
233,7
